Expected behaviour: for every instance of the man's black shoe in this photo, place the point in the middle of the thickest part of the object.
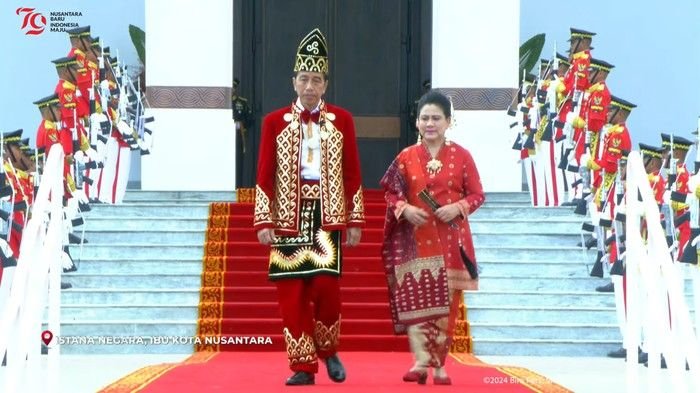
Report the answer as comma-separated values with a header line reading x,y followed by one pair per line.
x,y
606,288
568,203
65,285
301,378
618,353
336,371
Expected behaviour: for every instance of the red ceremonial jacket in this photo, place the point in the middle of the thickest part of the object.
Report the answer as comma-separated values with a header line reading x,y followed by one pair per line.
x,y
278,188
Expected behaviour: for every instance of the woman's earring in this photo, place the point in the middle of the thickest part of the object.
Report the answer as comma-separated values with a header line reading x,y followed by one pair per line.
x,y
420,139
453,122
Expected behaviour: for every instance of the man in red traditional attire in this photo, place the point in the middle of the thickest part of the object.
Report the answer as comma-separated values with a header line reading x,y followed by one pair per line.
x,y
308,190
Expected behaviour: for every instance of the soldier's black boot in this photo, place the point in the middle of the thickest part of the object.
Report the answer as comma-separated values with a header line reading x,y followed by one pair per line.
x,y
606,288
618,353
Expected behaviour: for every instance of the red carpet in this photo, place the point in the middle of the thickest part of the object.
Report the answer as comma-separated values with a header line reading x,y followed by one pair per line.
x,y
263,372
237,300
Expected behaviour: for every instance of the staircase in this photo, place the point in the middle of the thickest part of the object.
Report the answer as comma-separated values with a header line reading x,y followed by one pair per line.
x,y
140,275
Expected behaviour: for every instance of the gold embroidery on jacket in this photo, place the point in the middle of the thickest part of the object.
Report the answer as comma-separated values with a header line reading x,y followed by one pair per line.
x,y
287,176
262,206
357,212
326,258
332,187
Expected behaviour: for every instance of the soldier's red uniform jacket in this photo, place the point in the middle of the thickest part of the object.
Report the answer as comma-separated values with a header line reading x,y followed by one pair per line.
x,y
278,188
84,78
576,77
595,110
47,134
23,188
594,115
69,100
617,141
658,187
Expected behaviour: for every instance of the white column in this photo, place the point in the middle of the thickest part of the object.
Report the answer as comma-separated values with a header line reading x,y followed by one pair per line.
x,y
189,75
475,60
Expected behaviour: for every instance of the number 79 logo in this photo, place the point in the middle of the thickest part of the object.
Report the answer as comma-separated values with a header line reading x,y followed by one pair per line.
x,y
33,22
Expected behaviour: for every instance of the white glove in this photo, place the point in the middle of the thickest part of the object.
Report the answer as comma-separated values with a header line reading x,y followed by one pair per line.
x,y
124,128
92,155
66,261
667,197
79,156
80,196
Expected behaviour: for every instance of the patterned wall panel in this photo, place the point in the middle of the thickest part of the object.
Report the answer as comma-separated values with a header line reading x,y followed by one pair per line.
x,y
479,99
189,97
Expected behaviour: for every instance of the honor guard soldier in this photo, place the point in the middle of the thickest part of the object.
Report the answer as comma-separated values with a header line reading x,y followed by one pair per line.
x,y
676,149
242,115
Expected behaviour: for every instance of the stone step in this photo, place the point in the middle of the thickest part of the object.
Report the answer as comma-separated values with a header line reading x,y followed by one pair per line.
x,y
96,224
194,266
518,297
538,314
170,210
544,331
546,347
137,280
144,266
138,311
121,250
554,226
140,195
96,249
504,283
174,236
507,315
514,211
144,327
231,195
130,296
124,349
534,253
201,210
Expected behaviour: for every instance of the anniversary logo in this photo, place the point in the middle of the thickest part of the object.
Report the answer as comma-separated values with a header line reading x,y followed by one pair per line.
x,y
34,22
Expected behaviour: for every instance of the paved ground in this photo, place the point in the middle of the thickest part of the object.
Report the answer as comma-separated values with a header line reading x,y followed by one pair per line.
x,y
90,373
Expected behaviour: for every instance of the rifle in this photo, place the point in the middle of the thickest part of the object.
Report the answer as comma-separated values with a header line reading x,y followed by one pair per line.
x,y
568,127
597,270
585,174
666,210
551,100
468,263
689,253
618,267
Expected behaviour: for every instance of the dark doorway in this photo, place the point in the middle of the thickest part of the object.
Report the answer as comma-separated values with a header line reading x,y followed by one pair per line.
x,y
379,57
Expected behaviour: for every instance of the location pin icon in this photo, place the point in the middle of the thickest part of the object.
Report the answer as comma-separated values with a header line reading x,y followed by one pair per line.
x,y
46,337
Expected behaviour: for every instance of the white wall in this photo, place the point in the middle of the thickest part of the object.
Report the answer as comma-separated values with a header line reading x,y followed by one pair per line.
x,y
184,157
475,45
189,44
